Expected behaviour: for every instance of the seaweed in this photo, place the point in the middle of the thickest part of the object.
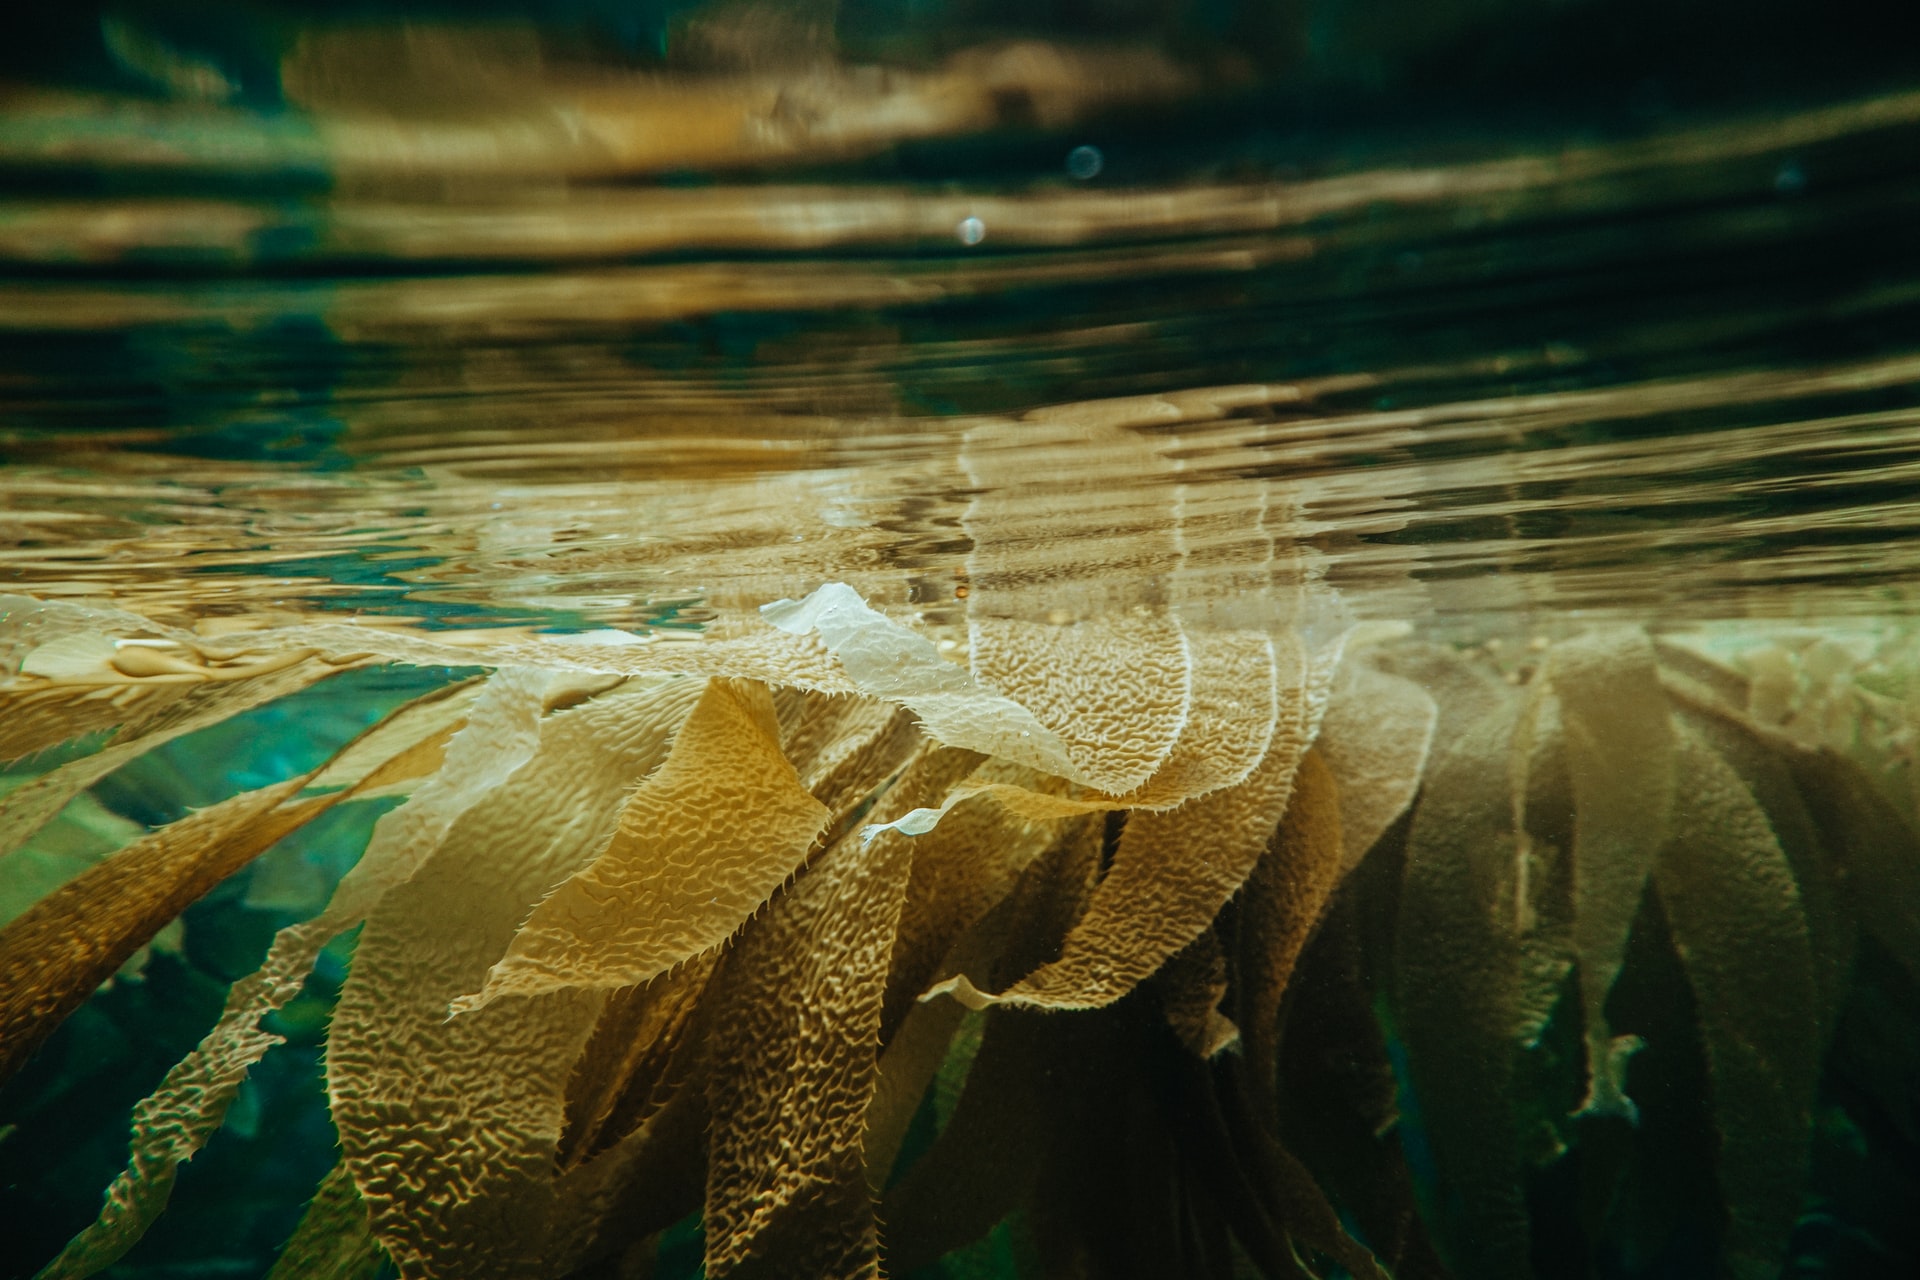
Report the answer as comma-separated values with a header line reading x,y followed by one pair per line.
x,y
870,955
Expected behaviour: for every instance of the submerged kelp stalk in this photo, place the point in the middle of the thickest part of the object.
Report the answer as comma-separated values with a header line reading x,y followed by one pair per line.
x,y
667,937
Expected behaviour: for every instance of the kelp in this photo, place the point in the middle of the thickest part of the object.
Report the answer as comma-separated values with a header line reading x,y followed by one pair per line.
x,y
1620,759
58,950
654,896
671,928
35,803
1737,922
798,1029
402,1076
177,1119
333,1241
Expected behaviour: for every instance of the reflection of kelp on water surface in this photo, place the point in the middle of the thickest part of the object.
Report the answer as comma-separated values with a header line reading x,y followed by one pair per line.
x,y
638,944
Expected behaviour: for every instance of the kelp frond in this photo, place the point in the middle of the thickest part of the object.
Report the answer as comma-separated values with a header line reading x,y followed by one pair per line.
x,y
865,948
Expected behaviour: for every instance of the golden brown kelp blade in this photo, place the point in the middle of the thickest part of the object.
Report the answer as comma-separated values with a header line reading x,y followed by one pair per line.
x,y
1873,844
1737,923
1190,987
1375,740
1819,873
984,1161
450,1126
177,1119
794,1057
972,904
332,1241
1337,1091
1282,904
961,869
1283,900
54,954
701,844
634,1063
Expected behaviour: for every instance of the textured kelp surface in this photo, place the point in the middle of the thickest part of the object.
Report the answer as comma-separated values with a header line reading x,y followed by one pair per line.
x,y
1419,961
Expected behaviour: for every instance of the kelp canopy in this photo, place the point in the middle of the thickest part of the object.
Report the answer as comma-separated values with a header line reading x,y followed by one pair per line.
x,y
1218,935
988,639
1157,916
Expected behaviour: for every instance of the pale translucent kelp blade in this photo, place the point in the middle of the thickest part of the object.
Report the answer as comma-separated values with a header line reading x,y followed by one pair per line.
x,y
332,1241
1238,697
1468,991
1375,739
1172,872
1736,919
1112,677
44,644
885,659
1620,759
39,716
701,844
746,651
1239,679
450,1126
424,727
1115,691
1170,876
178,1118
795,1055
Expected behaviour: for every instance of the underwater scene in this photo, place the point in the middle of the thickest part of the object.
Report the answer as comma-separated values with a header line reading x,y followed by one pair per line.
x,y
960,639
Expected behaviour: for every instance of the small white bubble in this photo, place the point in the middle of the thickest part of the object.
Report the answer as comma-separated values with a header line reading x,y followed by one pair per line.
x,y
1084,163
971,231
